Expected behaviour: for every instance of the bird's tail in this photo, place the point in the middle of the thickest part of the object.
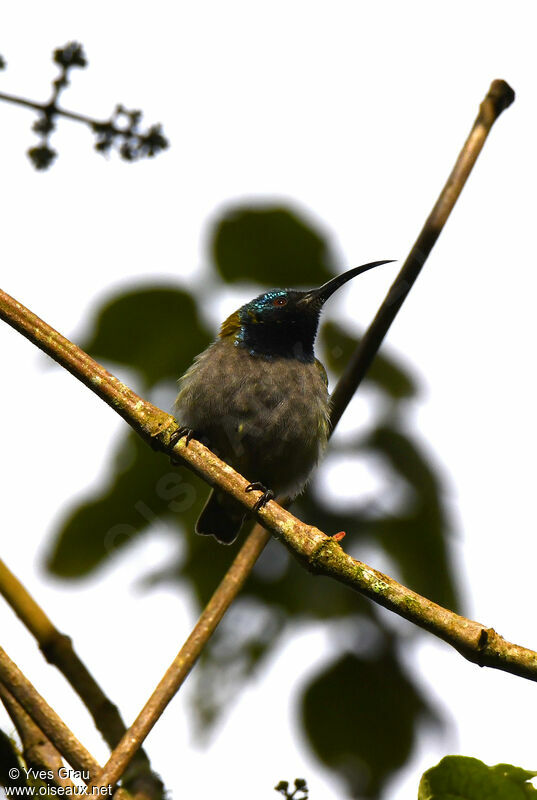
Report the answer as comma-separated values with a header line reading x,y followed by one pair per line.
x,y
221,517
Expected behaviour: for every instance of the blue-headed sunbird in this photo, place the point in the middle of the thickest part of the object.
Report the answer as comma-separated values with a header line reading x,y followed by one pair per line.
x,y
258,398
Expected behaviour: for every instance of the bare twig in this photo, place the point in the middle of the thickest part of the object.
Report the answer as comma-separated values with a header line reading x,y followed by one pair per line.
x,y
499,97
35,106
46,718
316,550
58,650
121,130
137,142
37,750
180,667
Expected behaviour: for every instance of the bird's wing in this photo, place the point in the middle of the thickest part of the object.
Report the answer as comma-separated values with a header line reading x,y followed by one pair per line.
x,y
322,371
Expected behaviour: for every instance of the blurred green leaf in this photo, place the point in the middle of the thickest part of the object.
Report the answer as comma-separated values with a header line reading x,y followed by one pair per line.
x,y
245,636
144,489
269,245
204,561
155,330
389,375
416,535
463,778
360,716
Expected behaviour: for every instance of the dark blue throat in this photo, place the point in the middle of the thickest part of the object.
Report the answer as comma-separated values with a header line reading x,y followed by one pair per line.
x,y
286,339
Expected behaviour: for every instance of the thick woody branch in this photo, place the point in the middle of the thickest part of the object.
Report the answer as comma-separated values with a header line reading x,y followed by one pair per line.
x,y
322,555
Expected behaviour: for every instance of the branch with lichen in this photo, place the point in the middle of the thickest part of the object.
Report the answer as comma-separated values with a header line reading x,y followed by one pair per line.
x,y
313,547
121,131
317,551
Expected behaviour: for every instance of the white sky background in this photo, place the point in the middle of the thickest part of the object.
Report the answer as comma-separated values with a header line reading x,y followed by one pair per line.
x,y
354,112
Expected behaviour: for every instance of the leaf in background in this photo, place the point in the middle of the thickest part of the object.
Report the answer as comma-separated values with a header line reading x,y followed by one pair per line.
x,y
462,778
204,561
360,716
271,246
416,535
245,636
146,490
155,330
279,591
413,532
278,579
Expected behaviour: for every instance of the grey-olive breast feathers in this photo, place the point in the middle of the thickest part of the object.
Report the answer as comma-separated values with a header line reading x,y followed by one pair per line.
x,y
267,417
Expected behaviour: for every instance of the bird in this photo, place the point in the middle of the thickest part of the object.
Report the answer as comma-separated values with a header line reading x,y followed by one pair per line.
x,y
258,398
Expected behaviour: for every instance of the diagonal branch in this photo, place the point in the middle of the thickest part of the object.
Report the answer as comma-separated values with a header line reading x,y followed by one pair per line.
x,y
181,666
37,750
499,97
46,718
148,421
42,107
313,548
58,650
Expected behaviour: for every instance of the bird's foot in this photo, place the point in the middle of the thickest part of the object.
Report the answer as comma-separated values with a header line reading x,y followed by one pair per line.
x,y
179,433
267,495
188,433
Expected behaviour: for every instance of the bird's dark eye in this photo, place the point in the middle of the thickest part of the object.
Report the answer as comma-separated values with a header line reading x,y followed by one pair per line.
x,y
280,301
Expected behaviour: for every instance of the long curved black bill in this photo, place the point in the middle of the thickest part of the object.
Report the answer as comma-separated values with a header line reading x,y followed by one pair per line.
x,y
320,295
